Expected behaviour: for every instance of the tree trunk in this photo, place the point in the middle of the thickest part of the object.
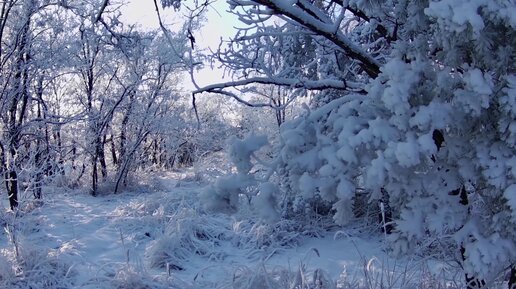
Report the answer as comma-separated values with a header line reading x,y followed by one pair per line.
x,y
94,175
11,175
102,157
38,178
74,155
59,149
114,156
12,188
123,128
155,152
17,106
127,161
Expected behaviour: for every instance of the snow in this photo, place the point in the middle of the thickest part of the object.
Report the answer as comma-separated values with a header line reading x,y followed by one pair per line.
x,y
307,185
510,195
435,114
477,93
347,154
265,202
240,151
160,237
427,144
377,172
460,12
396,94
410,106
407,153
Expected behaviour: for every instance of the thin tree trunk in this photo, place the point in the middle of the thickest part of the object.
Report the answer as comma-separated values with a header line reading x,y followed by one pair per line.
x,y
74,155
123,128
11,176
11,183
113,151
126,162
38,178
154,152
98,158
59,149
102,157
94,175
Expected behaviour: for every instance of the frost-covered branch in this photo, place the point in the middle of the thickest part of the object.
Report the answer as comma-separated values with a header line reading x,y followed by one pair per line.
x,y
381,29
102,8
289,82
308,16
243,101
318,85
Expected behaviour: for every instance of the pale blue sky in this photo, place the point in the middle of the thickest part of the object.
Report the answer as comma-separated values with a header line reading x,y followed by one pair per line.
x,y
219,24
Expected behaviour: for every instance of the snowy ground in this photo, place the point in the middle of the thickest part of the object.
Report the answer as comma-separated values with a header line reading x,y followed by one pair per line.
x,y
160,238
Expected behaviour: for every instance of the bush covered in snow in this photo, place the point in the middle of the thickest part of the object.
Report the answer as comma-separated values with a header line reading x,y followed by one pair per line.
x,y
414,105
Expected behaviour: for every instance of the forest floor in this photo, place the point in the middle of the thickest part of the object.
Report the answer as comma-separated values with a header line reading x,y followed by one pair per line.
x,y
158,237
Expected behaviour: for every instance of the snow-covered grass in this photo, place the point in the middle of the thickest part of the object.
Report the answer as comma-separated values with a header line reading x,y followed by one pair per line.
x,y
25,265
373,275
157,236
185,234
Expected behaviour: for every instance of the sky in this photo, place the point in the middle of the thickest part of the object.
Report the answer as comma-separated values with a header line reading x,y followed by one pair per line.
x,y
219,24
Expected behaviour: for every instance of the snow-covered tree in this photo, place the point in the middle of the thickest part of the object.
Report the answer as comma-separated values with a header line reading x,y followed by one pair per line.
x,y
417,107
80,89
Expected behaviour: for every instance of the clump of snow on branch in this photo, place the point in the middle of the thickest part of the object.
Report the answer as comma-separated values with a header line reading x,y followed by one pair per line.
x,y
225,194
